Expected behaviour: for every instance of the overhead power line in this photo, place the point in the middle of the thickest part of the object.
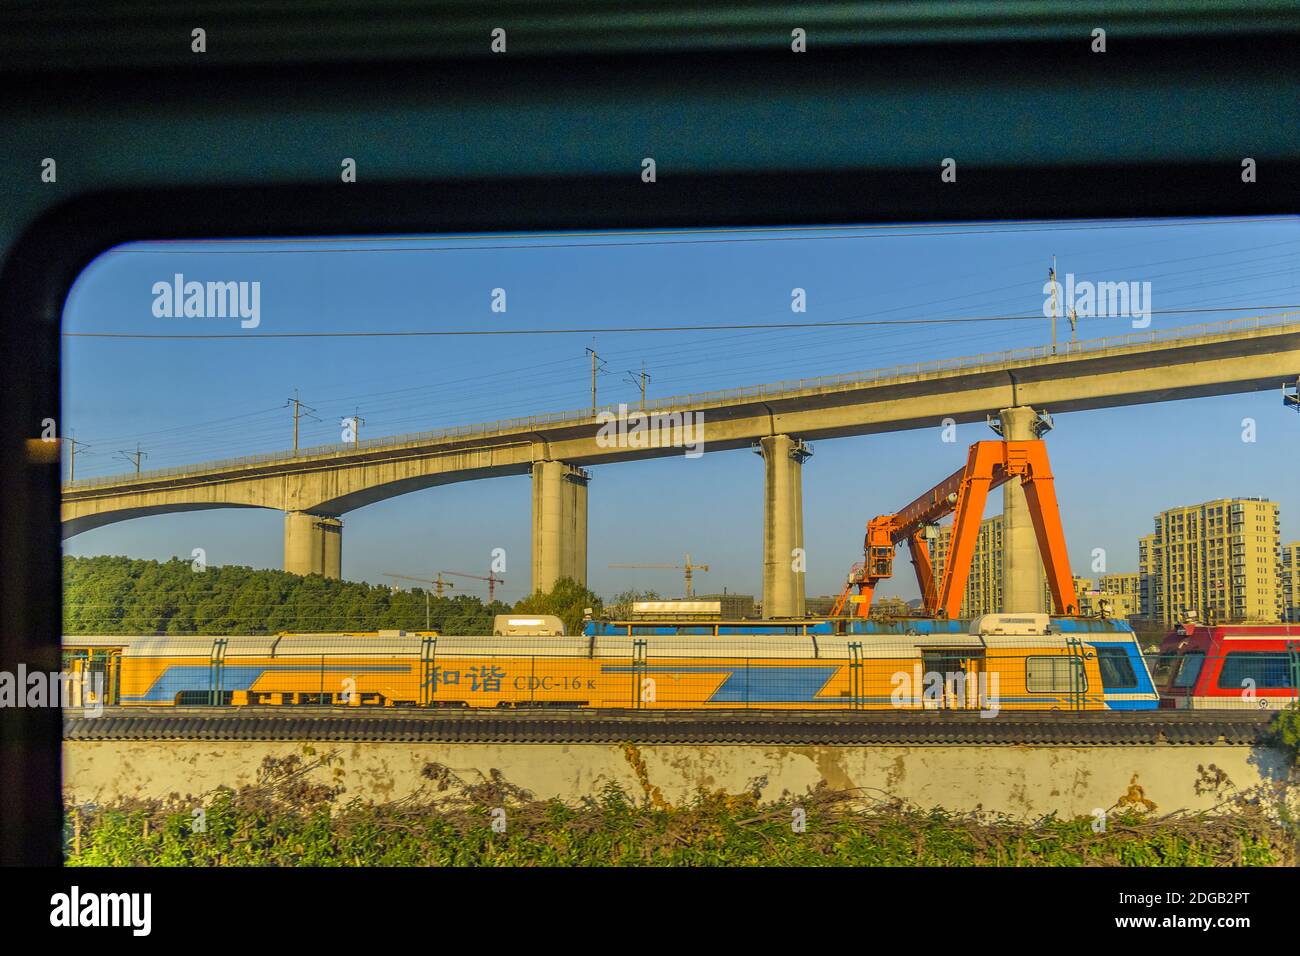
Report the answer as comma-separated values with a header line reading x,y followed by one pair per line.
x,y
432,333
133,457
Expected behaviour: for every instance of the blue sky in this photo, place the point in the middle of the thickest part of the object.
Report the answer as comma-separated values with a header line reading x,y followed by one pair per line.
x,y
196,400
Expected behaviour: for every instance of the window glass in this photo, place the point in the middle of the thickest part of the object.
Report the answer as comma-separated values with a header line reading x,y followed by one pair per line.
x,y
1117,671
1263,668
1189,669
1054,675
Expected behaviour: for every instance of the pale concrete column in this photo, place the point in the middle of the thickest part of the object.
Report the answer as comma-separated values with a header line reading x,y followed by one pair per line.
x,y
783,586
331,532
313,544
559,523
1022,575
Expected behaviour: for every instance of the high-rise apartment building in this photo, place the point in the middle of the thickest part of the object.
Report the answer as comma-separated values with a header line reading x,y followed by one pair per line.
x,y
1219,559
1289,589
1147,577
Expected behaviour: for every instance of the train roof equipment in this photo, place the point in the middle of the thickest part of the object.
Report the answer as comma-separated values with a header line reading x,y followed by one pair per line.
x,y
532,625
685,627
1022,625
676,609
963,494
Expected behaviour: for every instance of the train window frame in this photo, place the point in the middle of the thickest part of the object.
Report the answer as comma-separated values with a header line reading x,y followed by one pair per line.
x,y
1053,658
1116,654
128,193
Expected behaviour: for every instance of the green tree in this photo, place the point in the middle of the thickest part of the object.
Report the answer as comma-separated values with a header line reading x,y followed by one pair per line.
x,y
620,607
568,600
118,595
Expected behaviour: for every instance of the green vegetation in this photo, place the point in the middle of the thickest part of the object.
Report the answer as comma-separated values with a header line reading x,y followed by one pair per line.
x,y
567,600
115,595
285,821
619,607
1286,730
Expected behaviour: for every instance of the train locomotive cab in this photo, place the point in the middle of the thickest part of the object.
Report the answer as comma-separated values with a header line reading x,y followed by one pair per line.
x,y
1229,666
1126,681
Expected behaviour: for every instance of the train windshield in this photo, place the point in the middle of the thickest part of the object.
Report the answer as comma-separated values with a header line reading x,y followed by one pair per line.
x,y
1187,668
1117,671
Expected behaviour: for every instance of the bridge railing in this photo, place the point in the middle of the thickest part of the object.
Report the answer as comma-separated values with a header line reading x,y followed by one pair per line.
x,y
694,400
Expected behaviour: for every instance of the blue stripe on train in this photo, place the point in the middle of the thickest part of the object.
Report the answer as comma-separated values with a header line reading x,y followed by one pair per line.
x,y
1132,704
748,684
181,677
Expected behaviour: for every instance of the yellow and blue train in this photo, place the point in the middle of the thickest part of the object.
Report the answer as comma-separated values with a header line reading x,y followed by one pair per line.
x,y
994,663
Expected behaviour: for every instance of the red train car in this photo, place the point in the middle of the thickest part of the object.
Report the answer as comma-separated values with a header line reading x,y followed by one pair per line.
x,y
1229,666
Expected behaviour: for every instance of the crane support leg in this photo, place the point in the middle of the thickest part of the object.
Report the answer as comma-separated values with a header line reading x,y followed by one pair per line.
x,y
867,593
961,548
1040,493
972,495
920,550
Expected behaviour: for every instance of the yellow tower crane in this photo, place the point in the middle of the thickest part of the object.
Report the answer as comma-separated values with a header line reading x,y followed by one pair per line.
x,y
437,582
687,568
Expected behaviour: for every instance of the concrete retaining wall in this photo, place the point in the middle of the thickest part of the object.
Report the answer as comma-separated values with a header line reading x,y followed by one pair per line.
x,y
1022,781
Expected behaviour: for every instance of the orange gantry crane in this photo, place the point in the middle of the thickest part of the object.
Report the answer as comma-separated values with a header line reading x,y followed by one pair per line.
x,y
963,494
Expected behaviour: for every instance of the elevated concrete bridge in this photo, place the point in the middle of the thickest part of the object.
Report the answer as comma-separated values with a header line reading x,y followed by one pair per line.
x,y
316,486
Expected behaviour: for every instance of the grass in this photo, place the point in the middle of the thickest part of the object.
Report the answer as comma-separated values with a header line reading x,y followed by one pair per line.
x,y
284,820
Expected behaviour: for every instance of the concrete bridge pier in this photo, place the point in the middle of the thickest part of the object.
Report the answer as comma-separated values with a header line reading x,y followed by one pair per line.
x,y
313,544
783,566
1022,576
559,523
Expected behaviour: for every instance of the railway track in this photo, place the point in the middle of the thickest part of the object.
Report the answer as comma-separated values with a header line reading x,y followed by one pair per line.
x,y
788,728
